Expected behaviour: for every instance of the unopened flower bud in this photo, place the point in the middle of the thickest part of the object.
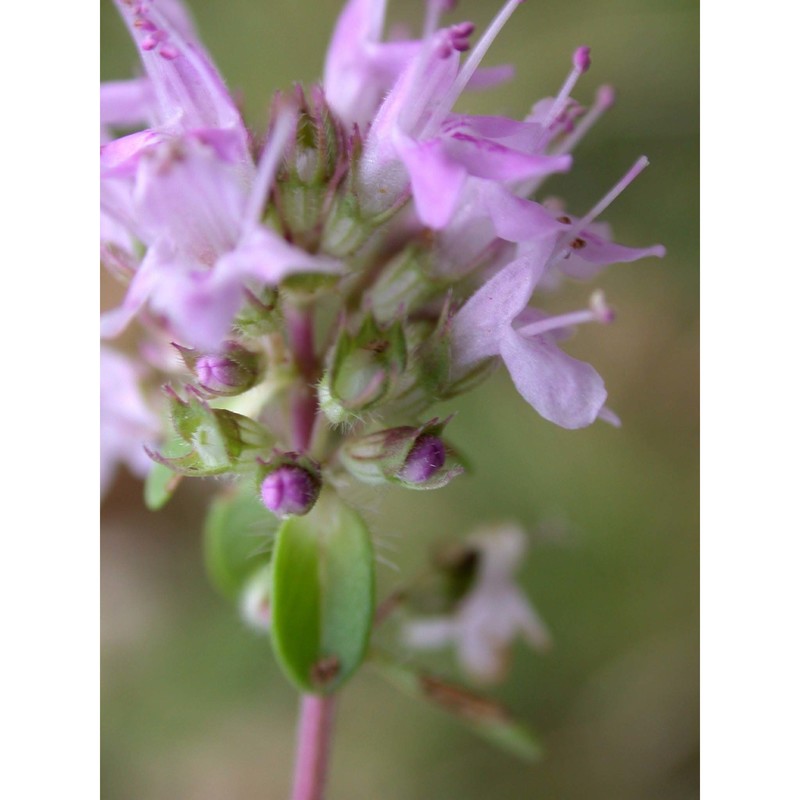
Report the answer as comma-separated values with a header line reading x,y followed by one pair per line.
x,y
314,164
363,371
230,372
290,485
406,282
220,441
426,458
428,372
416,458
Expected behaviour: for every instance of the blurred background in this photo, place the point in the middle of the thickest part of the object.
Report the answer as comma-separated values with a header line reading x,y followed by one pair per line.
x,y
193,704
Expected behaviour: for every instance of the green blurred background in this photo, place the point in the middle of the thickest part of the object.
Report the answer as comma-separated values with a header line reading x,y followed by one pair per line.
x,y
193,704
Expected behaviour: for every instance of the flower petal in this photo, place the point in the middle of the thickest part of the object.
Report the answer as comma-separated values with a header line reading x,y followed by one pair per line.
x,y
199,308
189,195
120,158
126,104
189,92
430,634
488,159
268,258
359,68
478,328
516,219
595,252
562,389
436,180
114,322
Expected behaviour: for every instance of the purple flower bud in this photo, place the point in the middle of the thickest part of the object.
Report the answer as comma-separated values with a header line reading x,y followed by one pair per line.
x,y
290,490
426,458
229,372
220,375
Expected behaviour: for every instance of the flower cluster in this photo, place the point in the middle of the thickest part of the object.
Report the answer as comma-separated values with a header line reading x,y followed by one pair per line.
x,y
317,291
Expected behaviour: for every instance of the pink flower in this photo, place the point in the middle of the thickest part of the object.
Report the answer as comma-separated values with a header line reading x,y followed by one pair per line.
x,y
496,321
361,68
188,190
415,139
491,615
127,424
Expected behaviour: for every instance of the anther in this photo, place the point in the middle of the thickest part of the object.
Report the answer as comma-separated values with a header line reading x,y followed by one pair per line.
x,y
472,63
580,63
581,60
463,29
603,313
604,99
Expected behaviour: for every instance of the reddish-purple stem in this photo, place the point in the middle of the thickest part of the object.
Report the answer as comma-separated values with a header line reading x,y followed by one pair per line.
x,y
300,326
316,712
313,746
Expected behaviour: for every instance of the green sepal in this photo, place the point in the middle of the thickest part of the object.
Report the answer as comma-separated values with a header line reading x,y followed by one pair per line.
x,y
220,441
260,314
405,283
323,587
364,369
237,539
314,163
162,481
427,377
378,457
471,380
482,715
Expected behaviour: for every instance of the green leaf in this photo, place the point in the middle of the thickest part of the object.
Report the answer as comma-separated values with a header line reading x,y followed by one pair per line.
x,y
323,587
161,481
236,539
484,716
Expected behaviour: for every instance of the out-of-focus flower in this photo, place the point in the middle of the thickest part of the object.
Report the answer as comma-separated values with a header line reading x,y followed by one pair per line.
x,y
127,424
491,614
254,602
187,190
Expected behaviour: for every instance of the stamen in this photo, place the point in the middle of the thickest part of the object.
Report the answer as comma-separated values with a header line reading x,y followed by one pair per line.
x,y
479,51
618,189
376,20
580,63
169,52
459,35
604,99
598,311
150,42
433,14
602,311
454,38
268,165
572,235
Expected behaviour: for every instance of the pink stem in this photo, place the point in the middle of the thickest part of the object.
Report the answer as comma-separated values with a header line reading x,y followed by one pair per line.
x,y
316,712
313,746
